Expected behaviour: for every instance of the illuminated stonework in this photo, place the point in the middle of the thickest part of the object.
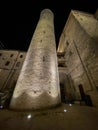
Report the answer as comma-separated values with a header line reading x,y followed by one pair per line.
x,y
38,84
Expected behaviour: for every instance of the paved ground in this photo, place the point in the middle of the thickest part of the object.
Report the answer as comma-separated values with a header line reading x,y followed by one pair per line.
x,y
64,117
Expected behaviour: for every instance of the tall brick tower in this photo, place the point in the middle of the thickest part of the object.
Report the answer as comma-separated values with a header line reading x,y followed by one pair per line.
x,y
38,84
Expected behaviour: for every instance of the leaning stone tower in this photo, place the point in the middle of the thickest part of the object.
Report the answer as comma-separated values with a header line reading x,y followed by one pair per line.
x,y
38,84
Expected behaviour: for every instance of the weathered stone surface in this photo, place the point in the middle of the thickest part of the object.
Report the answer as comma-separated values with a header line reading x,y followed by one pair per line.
x,y
79,41
38,83
10,65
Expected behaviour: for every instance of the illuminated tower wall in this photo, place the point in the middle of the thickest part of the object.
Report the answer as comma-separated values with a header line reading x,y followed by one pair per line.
x,y
38,84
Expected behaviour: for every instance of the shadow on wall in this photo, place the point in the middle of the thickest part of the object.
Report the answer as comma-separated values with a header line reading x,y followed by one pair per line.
x,y
62,91
5,96
84,97
66,97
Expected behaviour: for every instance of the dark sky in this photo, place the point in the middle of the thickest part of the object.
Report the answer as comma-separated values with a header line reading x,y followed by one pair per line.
x,y
18,18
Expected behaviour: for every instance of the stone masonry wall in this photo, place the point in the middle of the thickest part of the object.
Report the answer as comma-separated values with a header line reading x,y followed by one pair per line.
x,y
10,65
38,84
81,52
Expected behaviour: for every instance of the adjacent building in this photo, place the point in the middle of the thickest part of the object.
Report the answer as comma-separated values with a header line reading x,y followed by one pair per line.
x,y
79,46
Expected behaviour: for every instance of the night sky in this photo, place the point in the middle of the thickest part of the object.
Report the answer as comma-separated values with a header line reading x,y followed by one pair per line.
x,y
18,18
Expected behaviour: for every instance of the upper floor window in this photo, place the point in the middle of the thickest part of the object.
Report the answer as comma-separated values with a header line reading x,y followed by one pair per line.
x,y
7,63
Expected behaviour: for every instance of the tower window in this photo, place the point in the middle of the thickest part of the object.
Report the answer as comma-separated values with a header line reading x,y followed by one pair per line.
x,y
44,58
7,63
44,31
40,40
21,56
11,55
0,54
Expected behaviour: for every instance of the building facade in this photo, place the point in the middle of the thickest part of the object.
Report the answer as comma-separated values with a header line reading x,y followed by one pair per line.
x,y
79,45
